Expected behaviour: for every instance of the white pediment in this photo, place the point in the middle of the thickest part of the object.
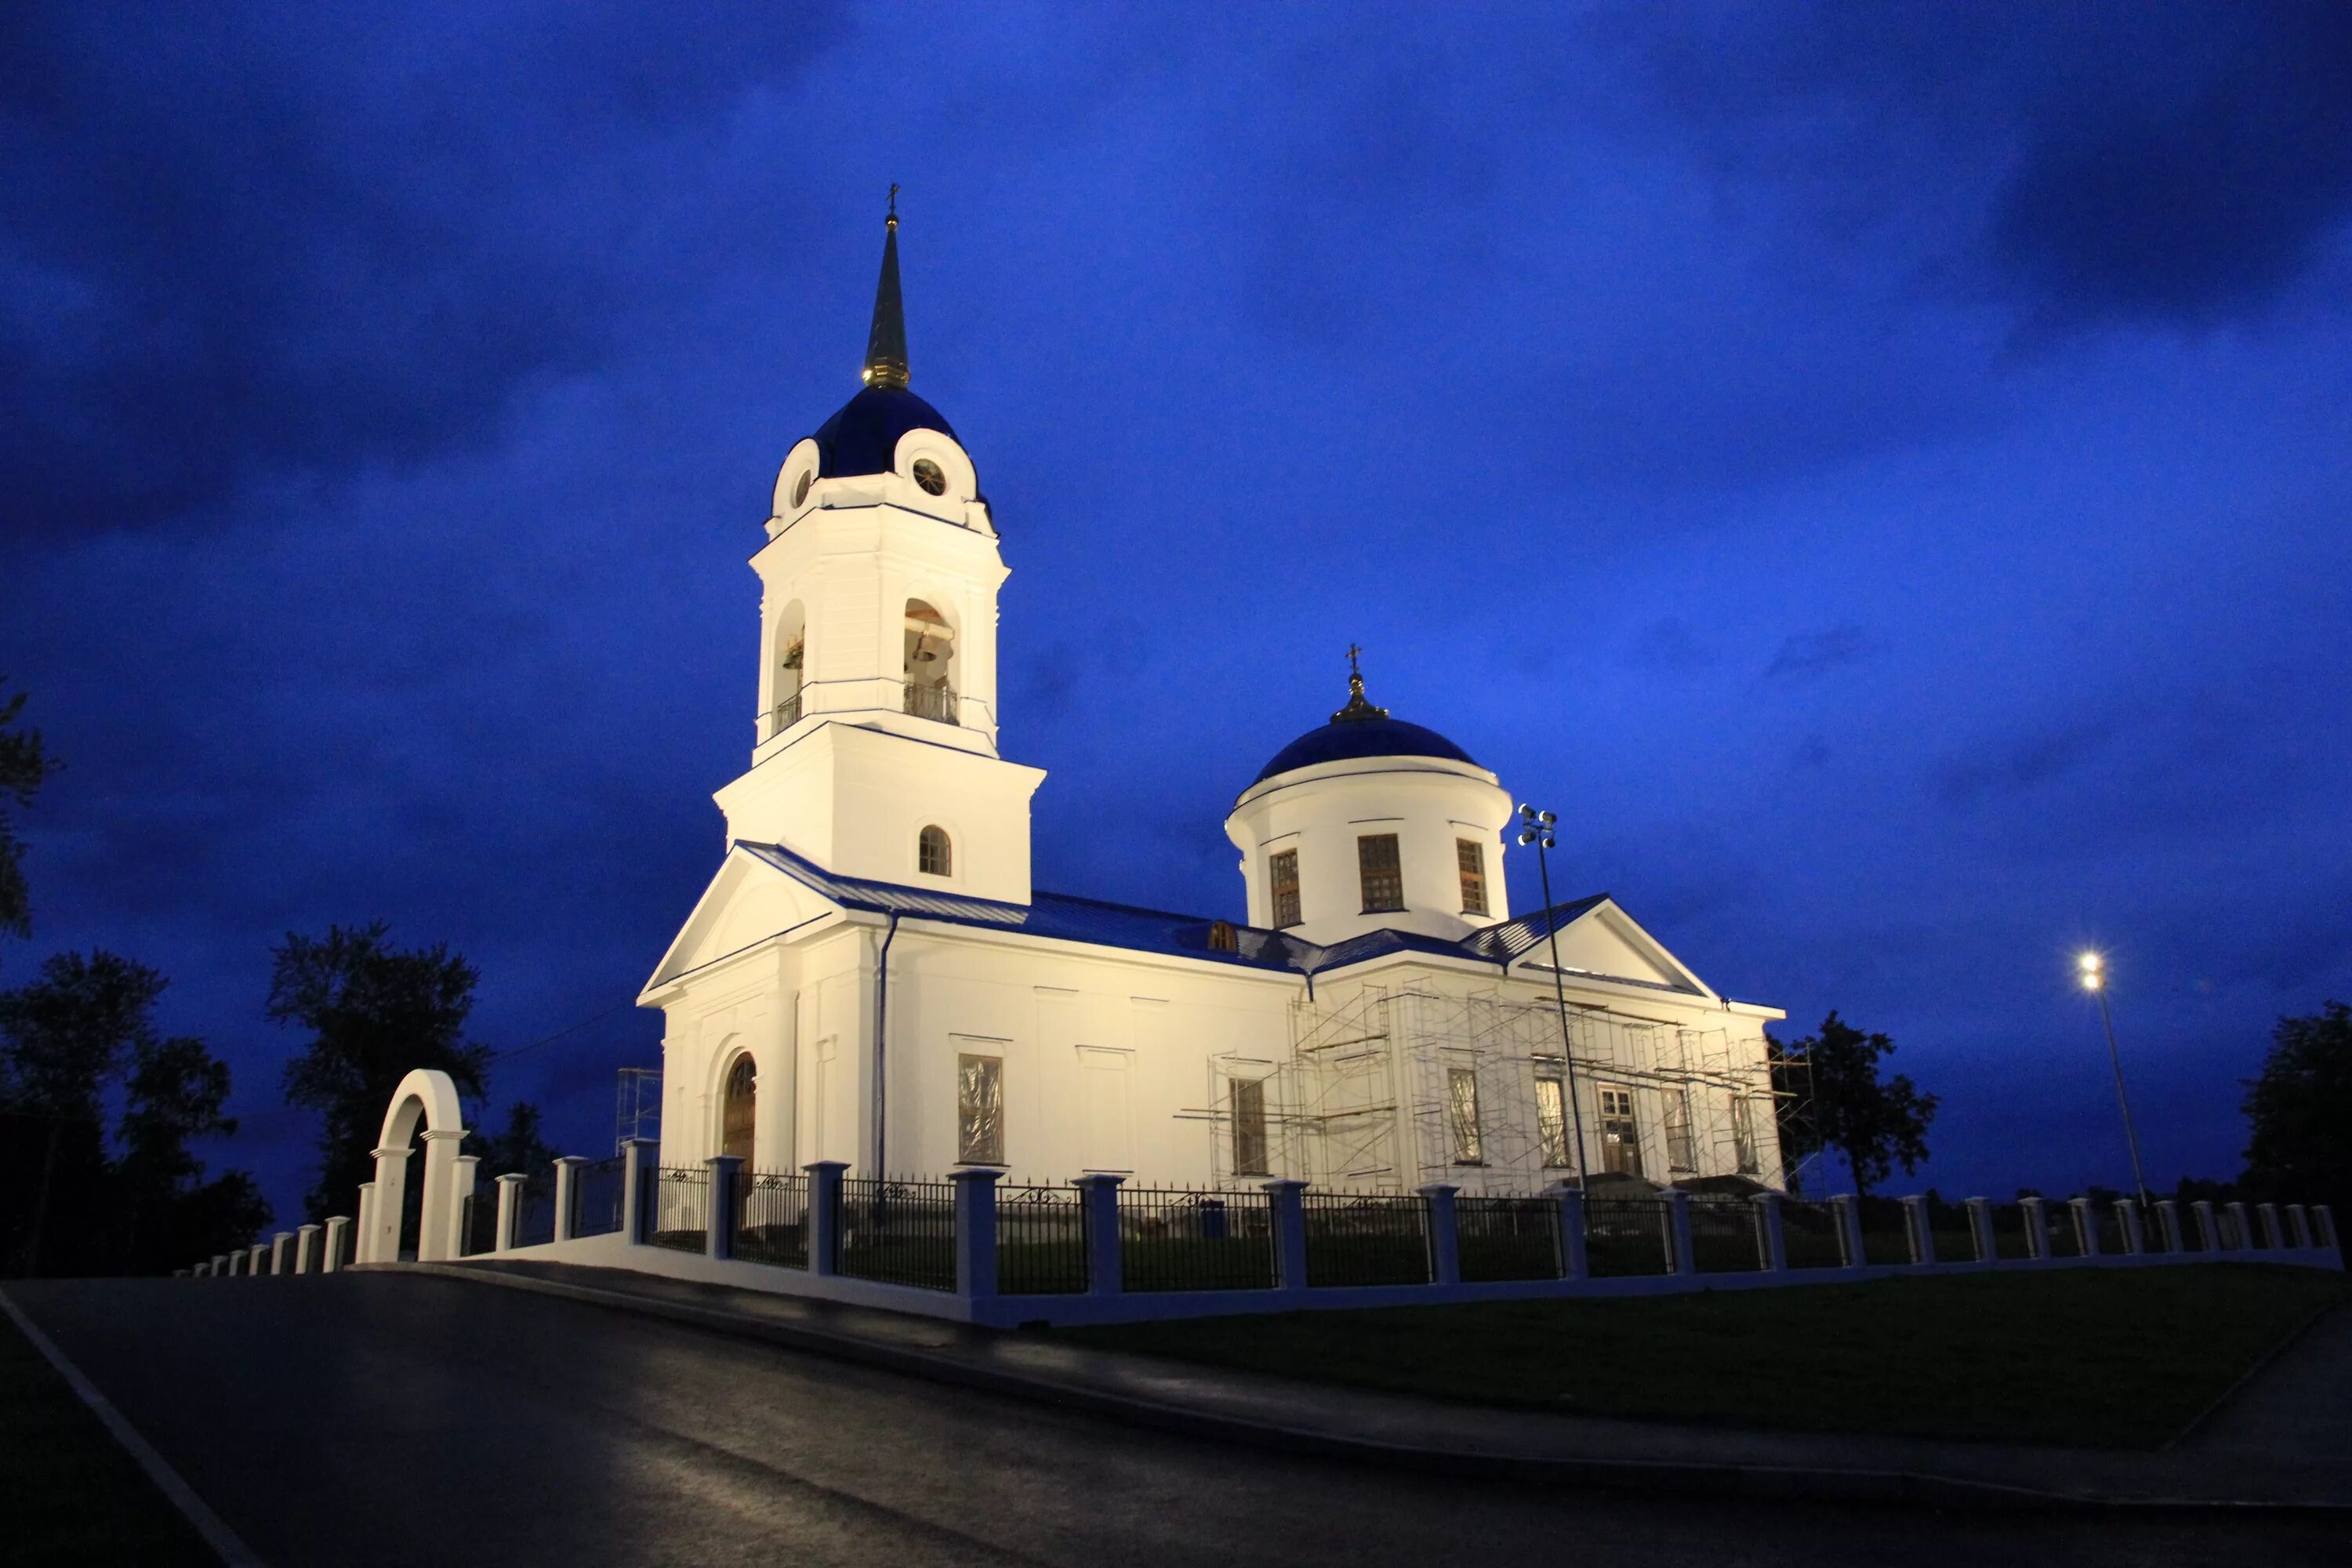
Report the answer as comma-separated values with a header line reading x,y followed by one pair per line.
x,y
747,903
1605,943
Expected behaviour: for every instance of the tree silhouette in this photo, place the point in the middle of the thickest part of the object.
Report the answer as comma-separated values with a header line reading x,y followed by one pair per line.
x,y
2299,1112
1876,1124
23,766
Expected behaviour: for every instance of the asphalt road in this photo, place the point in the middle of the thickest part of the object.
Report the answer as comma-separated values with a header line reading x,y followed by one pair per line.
x,y
359,1419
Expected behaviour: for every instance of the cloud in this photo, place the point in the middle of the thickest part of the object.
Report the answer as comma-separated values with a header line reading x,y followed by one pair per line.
x,y
258,240
2025,763
1805,655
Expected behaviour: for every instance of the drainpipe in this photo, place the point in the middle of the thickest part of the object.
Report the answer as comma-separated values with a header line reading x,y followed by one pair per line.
x,y
882,1052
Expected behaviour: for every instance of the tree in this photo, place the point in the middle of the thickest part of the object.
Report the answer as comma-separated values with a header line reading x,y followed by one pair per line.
x,y
23,766
375,1011
1842,1103
2299,1112
66,1034
69,1037
518,1147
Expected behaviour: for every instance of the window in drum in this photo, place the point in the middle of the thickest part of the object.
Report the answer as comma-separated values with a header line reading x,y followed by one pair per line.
x,y
1383,877
1552,1121
1682,1148
1462,1116
934,856
1743,1133
1282,879
980,1109
1621,1136
1249,1128
1473,857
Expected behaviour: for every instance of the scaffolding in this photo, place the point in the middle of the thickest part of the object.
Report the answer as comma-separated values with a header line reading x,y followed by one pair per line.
x,y
1384,1090
636,1106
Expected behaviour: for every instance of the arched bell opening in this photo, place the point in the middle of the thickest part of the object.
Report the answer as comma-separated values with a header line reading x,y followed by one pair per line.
x,y
787,692
930,667
739,1110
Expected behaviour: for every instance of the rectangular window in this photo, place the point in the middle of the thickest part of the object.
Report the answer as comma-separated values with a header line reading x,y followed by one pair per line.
x,y
1473,857
1376,858
1461,1114
1743,1133
1620,1137
980,1109
1281,880
1552,1121
1249,1128
1681,1146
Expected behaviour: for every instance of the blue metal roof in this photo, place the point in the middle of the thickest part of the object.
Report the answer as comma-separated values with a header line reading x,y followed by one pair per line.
x,y
863,436
1344,739
1066,917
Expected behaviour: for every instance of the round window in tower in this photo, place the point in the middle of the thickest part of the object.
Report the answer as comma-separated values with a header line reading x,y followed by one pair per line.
x,y
801,484
927,475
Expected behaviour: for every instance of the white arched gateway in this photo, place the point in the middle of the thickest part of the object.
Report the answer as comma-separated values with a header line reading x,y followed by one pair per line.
x,y
427,1095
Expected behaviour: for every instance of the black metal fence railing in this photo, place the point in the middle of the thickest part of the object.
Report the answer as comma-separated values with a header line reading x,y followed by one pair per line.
x,y
771,1218
931,702
902,1232
2193,1235
1366,1239
1507,1238
477,1227
347,1247
677,1208
1041,1241
2058,1225
2110,1223
1886,1230
1626,1236
1727,1236
535,1210
596,1195
1173,1240
1809,1235
1947,1225
2226,1229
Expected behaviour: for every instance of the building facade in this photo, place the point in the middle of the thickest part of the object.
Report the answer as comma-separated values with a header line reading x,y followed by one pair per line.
x,y
871,977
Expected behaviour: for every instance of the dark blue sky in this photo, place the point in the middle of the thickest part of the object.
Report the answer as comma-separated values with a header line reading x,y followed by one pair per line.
x,y
1881,473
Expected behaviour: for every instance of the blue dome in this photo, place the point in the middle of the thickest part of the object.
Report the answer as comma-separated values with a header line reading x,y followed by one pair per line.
x,y
863,438
1344,739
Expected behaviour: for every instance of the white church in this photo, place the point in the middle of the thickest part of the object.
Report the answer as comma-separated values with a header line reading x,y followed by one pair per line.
x,y
871,976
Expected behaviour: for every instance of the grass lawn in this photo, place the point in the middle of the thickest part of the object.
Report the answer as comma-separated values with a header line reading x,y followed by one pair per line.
x,y
71,1494
2095,1358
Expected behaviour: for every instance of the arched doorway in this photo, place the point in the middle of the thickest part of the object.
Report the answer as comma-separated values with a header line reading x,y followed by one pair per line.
x,y
739,1108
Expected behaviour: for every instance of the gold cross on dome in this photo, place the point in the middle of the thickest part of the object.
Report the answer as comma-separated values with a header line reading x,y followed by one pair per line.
x,y
1354,654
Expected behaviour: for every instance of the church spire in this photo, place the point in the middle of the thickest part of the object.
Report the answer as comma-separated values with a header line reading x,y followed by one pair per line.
x,y
886,345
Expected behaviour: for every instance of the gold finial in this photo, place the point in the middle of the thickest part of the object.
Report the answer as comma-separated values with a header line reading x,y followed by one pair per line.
x,y
1358,707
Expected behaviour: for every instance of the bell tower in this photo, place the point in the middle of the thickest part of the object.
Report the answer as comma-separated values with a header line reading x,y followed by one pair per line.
x,y
875,750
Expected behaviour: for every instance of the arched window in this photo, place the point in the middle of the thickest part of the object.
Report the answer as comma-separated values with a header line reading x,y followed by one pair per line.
x,y
786,705
738,1115
934,856
930,664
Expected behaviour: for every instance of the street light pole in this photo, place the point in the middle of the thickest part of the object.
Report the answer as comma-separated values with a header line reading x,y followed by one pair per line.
x,y
2094,981
1536,829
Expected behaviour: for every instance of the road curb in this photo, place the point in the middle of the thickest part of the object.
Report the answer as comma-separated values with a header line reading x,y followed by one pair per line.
x,y
1791,1482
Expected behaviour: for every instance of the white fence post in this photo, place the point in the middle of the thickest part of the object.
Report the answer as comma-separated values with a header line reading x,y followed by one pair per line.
x,y
1105,1272
220,1264
306,1249
719,1227
364,1243
1771,1226
824,1214
1680,1256
567,1194
464,1176
1849,1228
2298,1226
2167,1224
2271,1241
2323,1217
257,1259
2135,1239
1444,1232
280,1246
1289,1218
1981,1231
2086,1227
2240,1225
639,1157
1914,1220
1575,1263
2208,1234
510,1187
332,1244
2037,1226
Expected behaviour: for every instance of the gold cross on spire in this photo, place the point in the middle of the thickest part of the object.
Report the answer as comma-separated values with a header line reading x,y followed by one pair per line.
x,y
1360,707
